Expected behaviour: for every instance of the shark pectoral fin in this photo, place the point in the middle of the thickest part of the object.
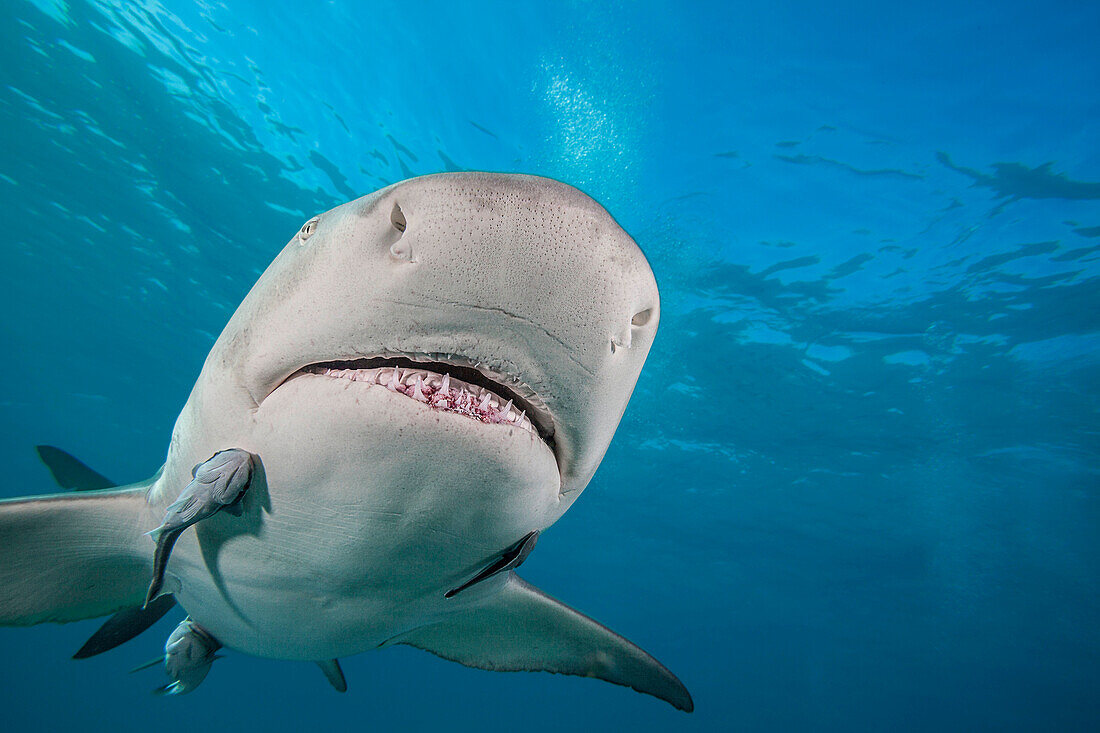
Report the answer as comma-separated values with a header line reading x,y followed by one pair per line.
x,y
333,673
522,629
217,483
70,473
125,625
72,556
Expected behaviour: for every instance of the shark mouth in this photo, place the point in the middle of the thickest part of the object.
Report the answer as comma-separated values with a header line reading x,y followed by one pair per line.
x,y
448,387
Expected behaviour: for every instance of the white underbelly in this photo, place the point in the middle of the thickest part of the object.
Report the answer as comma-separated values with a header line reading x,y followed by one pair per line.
x,y
361,515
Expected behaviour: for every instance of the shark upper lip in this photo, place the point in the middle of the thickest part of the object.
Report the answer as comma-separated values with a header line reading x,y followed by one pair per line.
x,y
505,388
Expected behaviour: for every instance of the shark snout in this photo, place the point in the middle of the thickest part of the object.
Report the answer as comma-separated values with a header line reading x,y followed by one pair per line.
x,y
525,279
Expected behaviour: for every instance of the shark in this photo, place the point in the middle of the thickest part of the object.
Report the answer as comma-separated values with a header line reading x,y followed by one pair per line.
x,y
421,383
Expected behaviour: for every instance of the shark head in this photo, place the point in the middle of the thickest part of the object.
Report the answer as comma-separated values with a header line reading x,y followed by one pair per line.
x,y
520,288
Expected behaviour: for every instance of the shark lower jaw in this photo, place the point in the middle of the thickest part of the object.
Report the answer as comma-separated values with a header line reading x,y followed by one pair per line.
x,y
448,386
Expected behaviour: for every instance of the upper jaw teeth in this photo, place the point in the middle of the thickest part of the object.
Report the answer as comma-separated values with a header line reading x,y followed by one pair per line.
x,y
441,392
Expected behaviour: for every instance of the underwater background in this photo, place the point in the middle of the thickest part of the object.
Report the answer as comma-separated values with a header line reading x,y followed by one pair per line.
x,y
858,485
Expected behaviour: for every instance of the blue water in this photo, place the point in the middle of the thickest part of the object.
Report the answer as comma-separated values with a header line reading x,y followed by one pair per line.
x,y
857,487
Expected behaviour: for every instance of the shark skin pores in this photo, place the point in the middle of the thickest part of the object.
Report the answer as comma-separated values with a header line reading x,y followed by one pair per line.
x,y
423,380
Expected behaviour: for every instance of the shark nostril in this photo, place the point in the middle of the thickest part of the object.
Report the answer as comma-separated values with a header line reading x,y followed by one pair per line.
x,y
621,341
400,249
641,317
397,218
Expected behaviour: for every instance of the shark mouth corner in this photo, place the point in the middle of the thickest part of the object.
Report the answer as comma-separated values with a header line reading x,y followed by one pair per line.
x,y
448,386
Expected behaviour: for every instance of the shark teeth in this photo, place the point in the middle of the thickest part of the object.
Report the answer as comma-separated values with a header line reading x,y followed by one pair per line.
x,y
441,393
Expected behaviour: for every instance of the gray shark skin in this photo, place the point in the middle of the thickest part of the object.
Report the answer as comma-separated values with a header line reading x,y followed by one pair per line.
x,y
367,373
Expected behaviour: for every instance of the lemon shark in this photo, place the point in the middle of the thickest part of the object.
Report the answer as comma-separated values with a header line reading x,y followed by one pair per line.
x,y
420,383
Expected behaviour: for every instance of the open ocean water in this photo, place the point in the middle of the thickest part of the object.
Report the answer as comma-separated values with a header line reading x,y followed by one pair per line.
x,y
858,485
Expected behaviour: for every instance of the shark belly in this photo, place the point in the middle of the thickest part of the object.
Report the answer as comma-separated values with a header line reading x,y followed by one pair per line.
x,y
363,514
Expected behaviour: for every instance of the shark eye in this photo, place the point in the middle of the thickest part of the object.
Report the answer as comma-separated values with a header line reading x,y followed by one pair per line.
x,y
308,229
641,317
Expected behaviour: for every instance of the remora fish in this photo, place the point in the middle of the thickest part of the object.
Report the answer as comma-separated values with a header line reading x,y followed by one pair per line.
x,y
422,381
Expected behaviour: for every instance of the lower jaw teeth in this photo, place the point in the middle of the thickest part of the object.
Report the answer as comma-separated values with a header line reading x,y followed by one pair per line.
x,y
442,393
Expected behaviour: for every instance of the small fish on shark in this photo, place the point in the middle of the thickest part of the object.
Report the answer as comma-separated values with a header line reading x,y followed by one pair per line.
x,y
420,384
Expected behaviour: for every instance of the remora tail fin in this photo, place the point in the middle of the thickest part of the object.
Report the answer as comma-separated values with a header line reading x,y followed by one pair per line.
x,y
67,557
523,629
